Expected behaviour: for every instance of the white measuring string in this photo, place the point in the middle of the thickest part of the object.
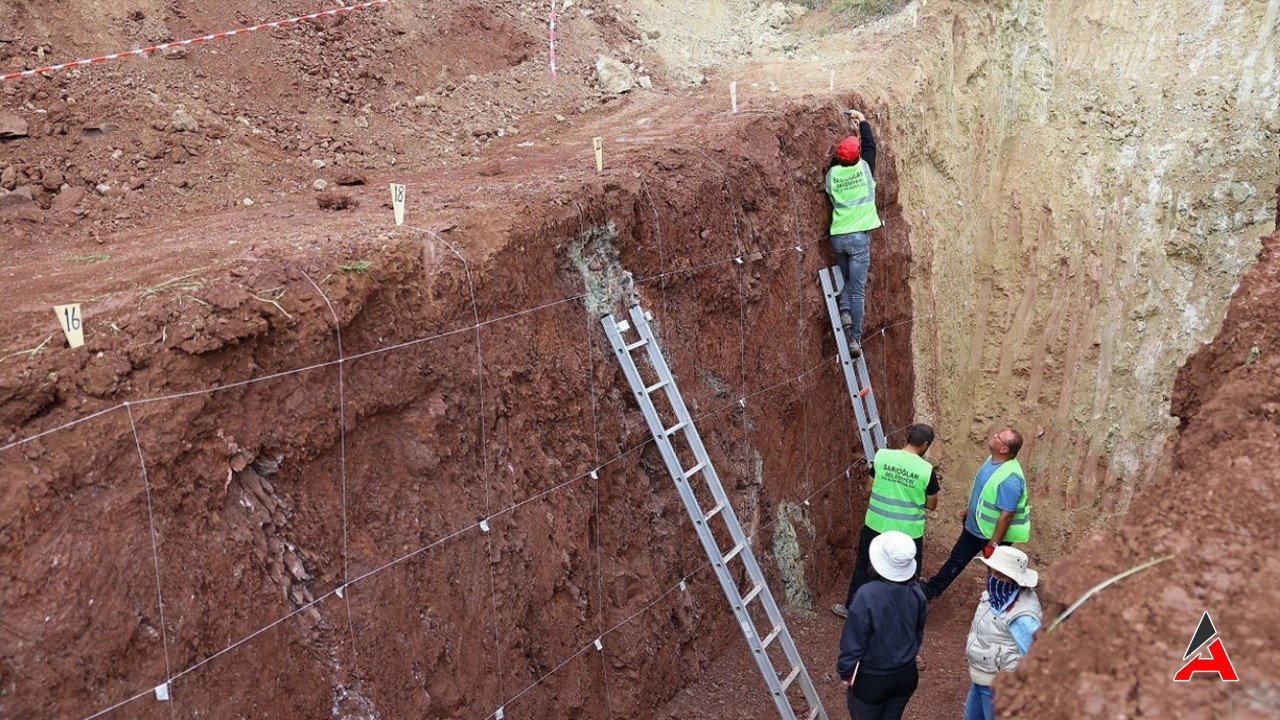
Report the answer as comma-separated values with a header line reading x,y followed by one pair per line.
x,y
705,565
474,327
155,552
484,443
459,532
367,353
342,464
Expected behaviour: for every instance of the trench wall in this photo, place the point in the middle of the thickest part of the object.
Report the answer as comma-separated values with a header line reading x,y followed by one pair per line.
x,y
307,539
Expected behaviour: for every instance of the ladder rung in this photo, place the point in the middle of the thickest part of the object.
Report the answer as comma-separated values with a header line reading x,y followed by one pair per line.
x,y
675,428
791,677
695,469
656,387
714,512
814,713
639,343
771,637
746,599
734,553
871,424
863,392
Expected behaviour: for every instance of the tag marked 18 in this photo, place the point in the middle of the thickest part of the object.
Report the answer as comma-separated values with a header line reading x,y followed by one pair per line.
x,y
397,202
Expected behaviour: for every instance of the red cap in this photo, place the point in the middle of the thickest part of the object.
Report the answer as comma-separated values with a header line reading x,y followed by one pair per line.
x,y
849,149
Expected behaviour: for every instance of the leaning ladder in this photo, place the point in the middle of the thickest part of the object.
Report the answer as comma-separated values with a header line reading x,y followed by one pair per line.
x,y
690,492
855,371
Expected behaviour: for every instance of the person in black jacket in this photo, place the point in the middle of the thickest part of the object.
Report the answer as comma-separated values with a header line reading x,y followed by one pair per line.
x,y
883,633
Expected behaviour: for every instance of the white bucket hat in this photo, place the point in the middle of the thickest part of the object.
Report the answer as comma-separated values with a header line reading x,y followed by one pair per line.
x,y
893,555
1012,562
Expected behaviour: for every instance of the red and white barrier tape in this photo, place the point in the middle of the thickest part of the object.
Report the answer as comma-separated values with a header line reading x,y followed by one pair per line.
x,y
551,39
193,41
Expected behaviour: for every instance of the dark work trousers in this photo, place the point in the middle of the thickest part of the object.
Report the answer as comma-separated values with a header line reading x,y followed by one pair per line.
x,y
882,697
862,566
966,548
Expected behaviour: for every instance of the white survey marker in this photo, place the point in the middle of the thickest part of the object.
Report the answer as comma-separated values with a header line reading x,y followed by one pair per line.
x,y
733,95
397,202
72,323
598,144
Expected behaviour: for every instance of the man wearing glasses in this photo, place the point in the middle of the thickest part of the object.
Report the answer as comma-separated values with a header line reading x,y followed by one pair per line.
x,y
997,512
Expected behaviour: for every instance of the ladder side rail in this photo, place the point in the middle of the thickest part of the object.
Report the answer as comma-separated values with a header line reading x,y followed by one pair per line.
x,y
736,532
872,410
831,284
683,418
728,585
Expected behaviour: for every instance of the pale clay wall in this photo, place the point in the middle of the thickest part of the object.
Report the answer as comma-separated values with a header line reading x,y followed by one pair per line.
x,y
1086,182
1087,185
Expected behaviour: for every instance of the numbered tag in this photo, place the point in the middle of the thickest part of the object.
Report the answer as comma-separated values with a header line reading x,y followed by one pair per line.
x,y
397,202
71,322
162,692
598,144
733,95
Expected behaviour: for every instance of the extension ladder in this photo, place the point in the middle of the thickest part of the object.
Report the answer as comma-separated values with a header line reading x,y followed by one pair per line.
x,y
855,371
698,483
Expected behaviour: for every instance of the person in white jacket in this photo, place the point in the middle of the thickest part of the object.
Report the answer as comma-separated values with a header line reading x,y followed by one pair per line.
x,y
1006,620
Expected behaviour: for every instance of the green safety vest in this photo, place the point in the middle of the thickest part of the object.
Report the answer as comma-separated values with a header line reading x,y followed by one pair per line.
x,y
853,198
897,492
1020,528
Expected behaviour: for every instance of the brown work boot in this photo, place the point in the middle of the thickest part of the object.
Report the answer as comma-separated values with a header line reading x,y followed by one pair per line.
x,y
855,349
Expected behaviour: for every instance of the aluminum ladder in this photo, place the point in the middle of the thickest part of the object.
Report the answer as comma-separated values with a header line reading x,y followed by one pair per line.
x,y
698,483
855,371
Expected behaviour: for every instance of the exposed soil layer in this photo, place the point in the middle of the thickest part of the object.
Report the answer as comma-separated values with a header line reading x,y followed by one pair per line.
x,y
469,390
264,475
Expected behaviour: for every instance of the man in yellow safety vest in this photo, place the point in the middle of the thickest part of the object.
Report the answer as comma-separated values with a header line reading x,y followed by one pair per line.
x,y
997,513
852,190
902,486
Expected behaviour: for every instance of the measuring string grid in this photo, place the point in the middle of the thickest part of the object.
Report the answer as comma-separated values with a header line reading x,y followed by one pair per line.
x,y
460,532
342,466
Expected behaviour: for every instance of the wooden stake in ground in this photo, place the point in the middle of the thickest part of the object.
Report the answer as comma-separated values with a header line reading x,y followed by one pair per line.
x,y
733,95
831,81
397,202
598,144
71,322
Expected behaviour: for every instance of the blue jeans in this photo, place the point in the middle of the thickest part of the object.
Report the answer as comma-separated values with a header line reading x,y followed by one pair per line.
x,y
966,549
979,706
853,256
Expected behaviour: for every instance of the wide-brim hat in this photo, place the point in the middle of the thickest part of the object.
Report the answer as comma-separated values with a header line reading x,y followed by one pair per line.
x,y
893,555
1012,562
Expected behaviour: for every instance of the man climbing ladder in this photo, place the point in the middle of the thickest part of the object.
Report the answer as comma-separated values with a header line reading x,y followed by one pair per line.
x,y
853,215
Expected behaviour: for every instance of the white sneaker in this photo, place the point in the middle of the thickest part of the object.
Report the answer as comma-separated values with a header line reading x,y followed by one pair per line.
x,y
855,349
846,319
840,610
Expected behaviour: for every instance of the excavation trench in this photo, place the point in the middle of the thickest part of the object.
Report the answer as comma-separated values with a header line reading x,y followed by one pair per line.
x,y
436,509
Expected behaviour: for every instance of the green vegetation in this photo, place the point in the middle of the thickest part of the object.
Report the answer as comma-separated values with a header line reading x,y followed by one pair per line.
x,y
358,266
866,10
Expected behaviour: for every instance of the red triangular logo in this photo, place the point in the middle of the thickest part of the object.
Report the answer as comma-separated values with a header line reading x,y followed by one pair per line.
x,y
1213,659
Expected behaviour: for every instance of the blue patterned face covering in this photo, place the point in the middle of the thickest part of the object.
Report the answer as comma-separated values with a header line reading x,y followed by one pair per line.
x,y
1000,592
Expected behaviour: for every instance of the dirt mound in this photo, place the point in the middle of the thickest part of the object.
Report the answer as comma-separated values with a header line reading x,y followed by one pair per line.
x,y
1213,510
257,118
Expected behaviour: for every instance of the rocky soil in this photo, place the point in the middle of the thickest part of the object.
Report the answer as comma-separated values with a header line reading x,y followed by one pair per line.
x,y
262,478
